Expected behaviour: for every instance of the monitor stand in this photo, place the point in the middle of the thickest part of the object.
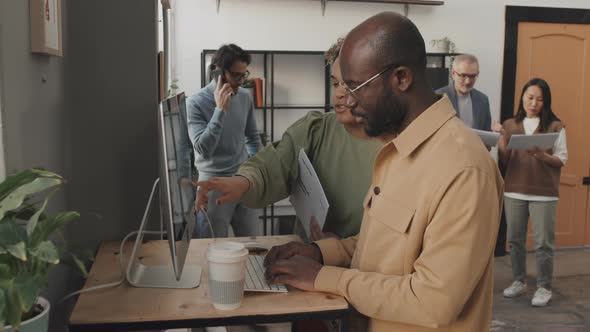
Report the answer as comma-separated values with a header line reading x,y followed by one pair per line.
x,y
158,276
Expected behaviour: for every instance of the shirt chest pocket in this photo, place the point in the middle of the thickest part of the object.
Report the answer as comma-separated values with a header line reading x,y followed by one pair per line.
x,y
391,213
388,234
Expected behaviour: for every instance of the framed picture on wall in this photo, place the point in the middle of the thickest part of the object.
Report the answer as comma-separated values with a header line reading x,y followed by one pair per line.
x,y
46,29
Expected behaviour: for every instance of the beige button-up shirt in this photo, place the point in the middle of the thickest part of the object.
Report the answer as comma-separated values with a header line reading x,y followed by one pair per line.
x,y
423,260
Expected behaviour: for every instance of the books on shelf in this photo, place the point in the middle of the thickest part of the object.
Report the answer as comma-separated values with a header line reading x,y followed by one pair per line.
x,y
258,93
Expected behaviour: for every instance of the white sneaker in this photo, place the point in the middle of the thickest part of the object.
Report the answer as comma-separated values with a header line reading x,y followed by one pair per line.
x,y
541,298
517,288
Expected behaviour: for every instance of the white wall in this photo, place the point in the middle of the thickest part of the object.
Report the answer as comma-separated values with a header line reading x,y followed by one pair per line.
x,y
476,26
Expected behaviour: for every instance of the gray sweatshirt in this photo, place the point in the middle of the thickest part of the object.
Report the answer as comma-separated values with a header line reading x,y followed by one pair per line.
x,y
222,140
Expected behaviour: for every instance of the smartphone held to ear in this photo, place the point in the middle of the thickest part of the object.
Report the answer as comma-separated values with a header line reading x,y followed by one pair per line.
x,y
217,73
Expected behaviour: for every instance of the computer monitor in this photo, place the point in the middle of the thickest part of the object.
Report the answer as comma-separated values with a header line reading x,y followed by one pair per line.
x,y
176,198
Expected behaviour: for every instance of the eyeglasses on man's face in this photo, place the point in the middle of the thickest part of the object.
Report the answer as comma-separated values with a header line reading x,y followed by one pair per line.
x,y
464,76
236,76
352,91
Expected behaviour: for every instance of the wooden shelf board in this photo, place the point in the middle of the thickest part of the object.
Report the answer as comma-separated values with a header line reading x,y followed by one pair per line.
x,y
405,2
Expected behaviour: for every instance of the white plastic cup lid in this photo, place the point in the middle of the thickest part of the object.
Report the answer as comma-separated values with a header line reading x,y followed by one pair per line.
x,y
226,252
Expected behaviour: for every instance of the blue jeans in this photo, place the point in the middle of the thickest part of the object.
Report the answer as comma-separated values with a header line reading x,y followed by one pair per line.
x,y
244,221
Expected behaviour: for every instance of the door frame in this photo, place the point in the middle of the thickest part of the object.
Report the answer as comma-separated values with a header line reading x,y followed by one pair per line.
x,y
513,16
2,156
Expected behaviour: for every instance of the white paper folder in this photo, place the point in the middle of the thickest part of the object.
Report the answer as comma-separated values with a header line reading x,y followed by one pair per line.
x,y
525,142
307,196
489,138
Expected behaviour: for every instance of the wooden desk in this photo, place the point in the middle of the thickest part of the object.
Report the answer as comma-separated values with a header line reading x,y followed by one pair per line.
x,y
129,308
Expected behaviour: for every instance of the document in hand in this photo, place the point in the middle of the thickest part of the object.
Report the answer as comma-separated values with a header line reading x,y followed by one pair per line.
x,y
525,142
489,138
307,195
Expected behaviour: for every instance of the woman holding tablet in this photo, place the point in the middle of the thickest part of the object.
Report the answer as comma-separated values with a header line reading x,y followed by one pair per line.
x,y
532,187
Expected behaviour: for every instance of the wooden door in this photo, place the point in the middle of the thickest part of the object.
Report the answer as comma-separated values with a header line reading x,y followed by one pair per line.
x,y
560,54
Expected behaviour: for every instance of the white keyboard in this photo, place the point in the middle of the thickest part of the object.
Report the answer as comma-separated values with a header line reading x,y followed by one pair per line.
x,y
255,280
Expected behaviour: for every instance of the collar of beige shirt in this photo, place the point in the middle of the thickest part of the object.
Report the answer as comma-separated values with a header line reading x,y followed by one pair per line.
x,y
424,126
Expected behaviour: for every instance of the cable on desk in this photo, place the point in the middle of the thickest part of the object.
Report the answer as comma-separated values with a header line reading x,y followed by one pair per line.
x,y
122,260
208,222
122,265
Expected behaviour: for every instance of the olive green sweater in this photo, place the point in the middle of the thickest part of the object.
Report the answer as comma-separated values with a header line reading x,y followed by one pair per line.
x,y
343,163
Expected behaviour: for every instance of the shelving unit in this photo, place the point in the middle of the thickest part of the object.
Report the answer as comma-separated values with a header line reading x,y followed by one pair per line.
x,y
403,2
270,64
437,68
406,3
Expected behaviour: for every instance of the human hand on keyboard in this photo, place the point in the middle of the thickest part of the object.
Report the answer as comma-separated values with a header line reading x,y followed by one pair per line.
x,y
297,271
291,249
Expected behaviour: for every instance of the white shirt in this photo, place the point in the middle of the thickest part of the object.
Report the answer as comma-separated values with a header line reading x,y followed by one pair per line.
x,y
559,151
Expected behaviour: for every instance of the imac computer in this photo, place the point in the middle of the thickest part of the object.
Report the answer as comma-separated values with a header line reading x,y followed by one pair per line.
x,y
176,199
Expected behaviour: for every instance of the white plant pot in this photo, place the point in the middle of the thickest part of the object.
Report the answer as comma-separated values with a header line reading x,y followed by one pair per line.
x,y
440,46
39,323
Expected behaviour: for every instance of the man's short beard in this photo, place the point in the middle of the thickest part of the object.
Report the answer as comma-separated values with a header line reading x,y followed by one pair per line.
x,y
387,118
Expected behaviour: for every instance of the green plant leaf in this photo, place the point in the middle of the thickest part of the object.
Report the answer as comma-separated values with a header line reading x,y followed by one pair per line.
x,y
18,250
13,307
16,198
27,287
49,225
15,180
25,212
6,259
46,251
81,266
21,178
26,254
35,218
4,271
2,309
10,234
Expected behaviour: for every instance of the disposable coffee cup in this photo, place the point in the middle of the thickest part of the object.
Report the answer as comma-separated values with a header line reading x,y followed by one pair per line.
x,y
227,271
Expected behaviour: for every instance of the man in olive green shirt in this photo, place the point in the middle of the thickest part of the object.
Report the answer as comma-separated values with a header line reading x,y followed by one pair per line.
x,y
341,161
337,146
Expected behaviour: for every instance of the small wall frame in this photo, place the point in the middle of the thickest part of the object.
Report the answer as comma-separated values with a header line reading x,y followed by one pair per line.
x,y
46,27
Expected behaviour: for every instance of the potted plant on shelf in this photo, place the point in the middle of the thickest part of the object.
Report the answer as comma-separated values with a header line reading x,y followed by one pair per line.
x,y
443,45
26,251
173,89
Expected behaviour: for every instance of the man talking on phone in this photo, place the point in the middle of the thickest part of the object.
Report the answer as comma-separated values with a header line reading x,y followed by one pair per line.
x,y
222,129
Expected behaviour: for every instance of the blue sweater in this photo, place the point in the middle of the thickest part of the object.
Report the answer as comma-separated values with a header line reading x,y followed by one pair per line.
x,y
222,140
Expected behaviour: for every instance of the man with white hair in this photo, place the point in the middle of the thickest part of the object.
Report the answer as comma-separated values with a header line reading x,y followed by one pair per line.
x,y
472,106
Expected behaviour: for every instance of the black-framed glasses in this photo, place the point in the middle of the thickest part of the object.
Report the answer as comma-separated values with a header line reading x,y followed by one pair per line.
x,y
464,76
238,76
352,91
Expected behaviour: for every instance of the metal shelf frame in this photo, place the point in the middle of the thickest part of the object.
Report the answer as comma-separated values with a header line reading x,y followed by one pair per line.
x,y
268,213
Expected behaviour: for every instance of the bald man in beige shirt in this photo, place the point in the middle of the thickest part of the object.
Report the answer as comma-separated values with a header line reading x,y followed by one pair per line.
x,y
423,260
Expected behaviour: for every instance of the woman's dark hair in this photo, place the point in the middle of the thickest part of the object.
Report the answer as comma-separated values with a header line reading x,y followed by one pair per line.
x,y
547,116
226,55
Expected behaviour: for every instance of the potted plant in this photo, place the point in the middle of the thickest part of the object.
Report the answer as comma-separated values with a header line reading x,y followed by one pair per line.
x,y
26,251
443,45
174,87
